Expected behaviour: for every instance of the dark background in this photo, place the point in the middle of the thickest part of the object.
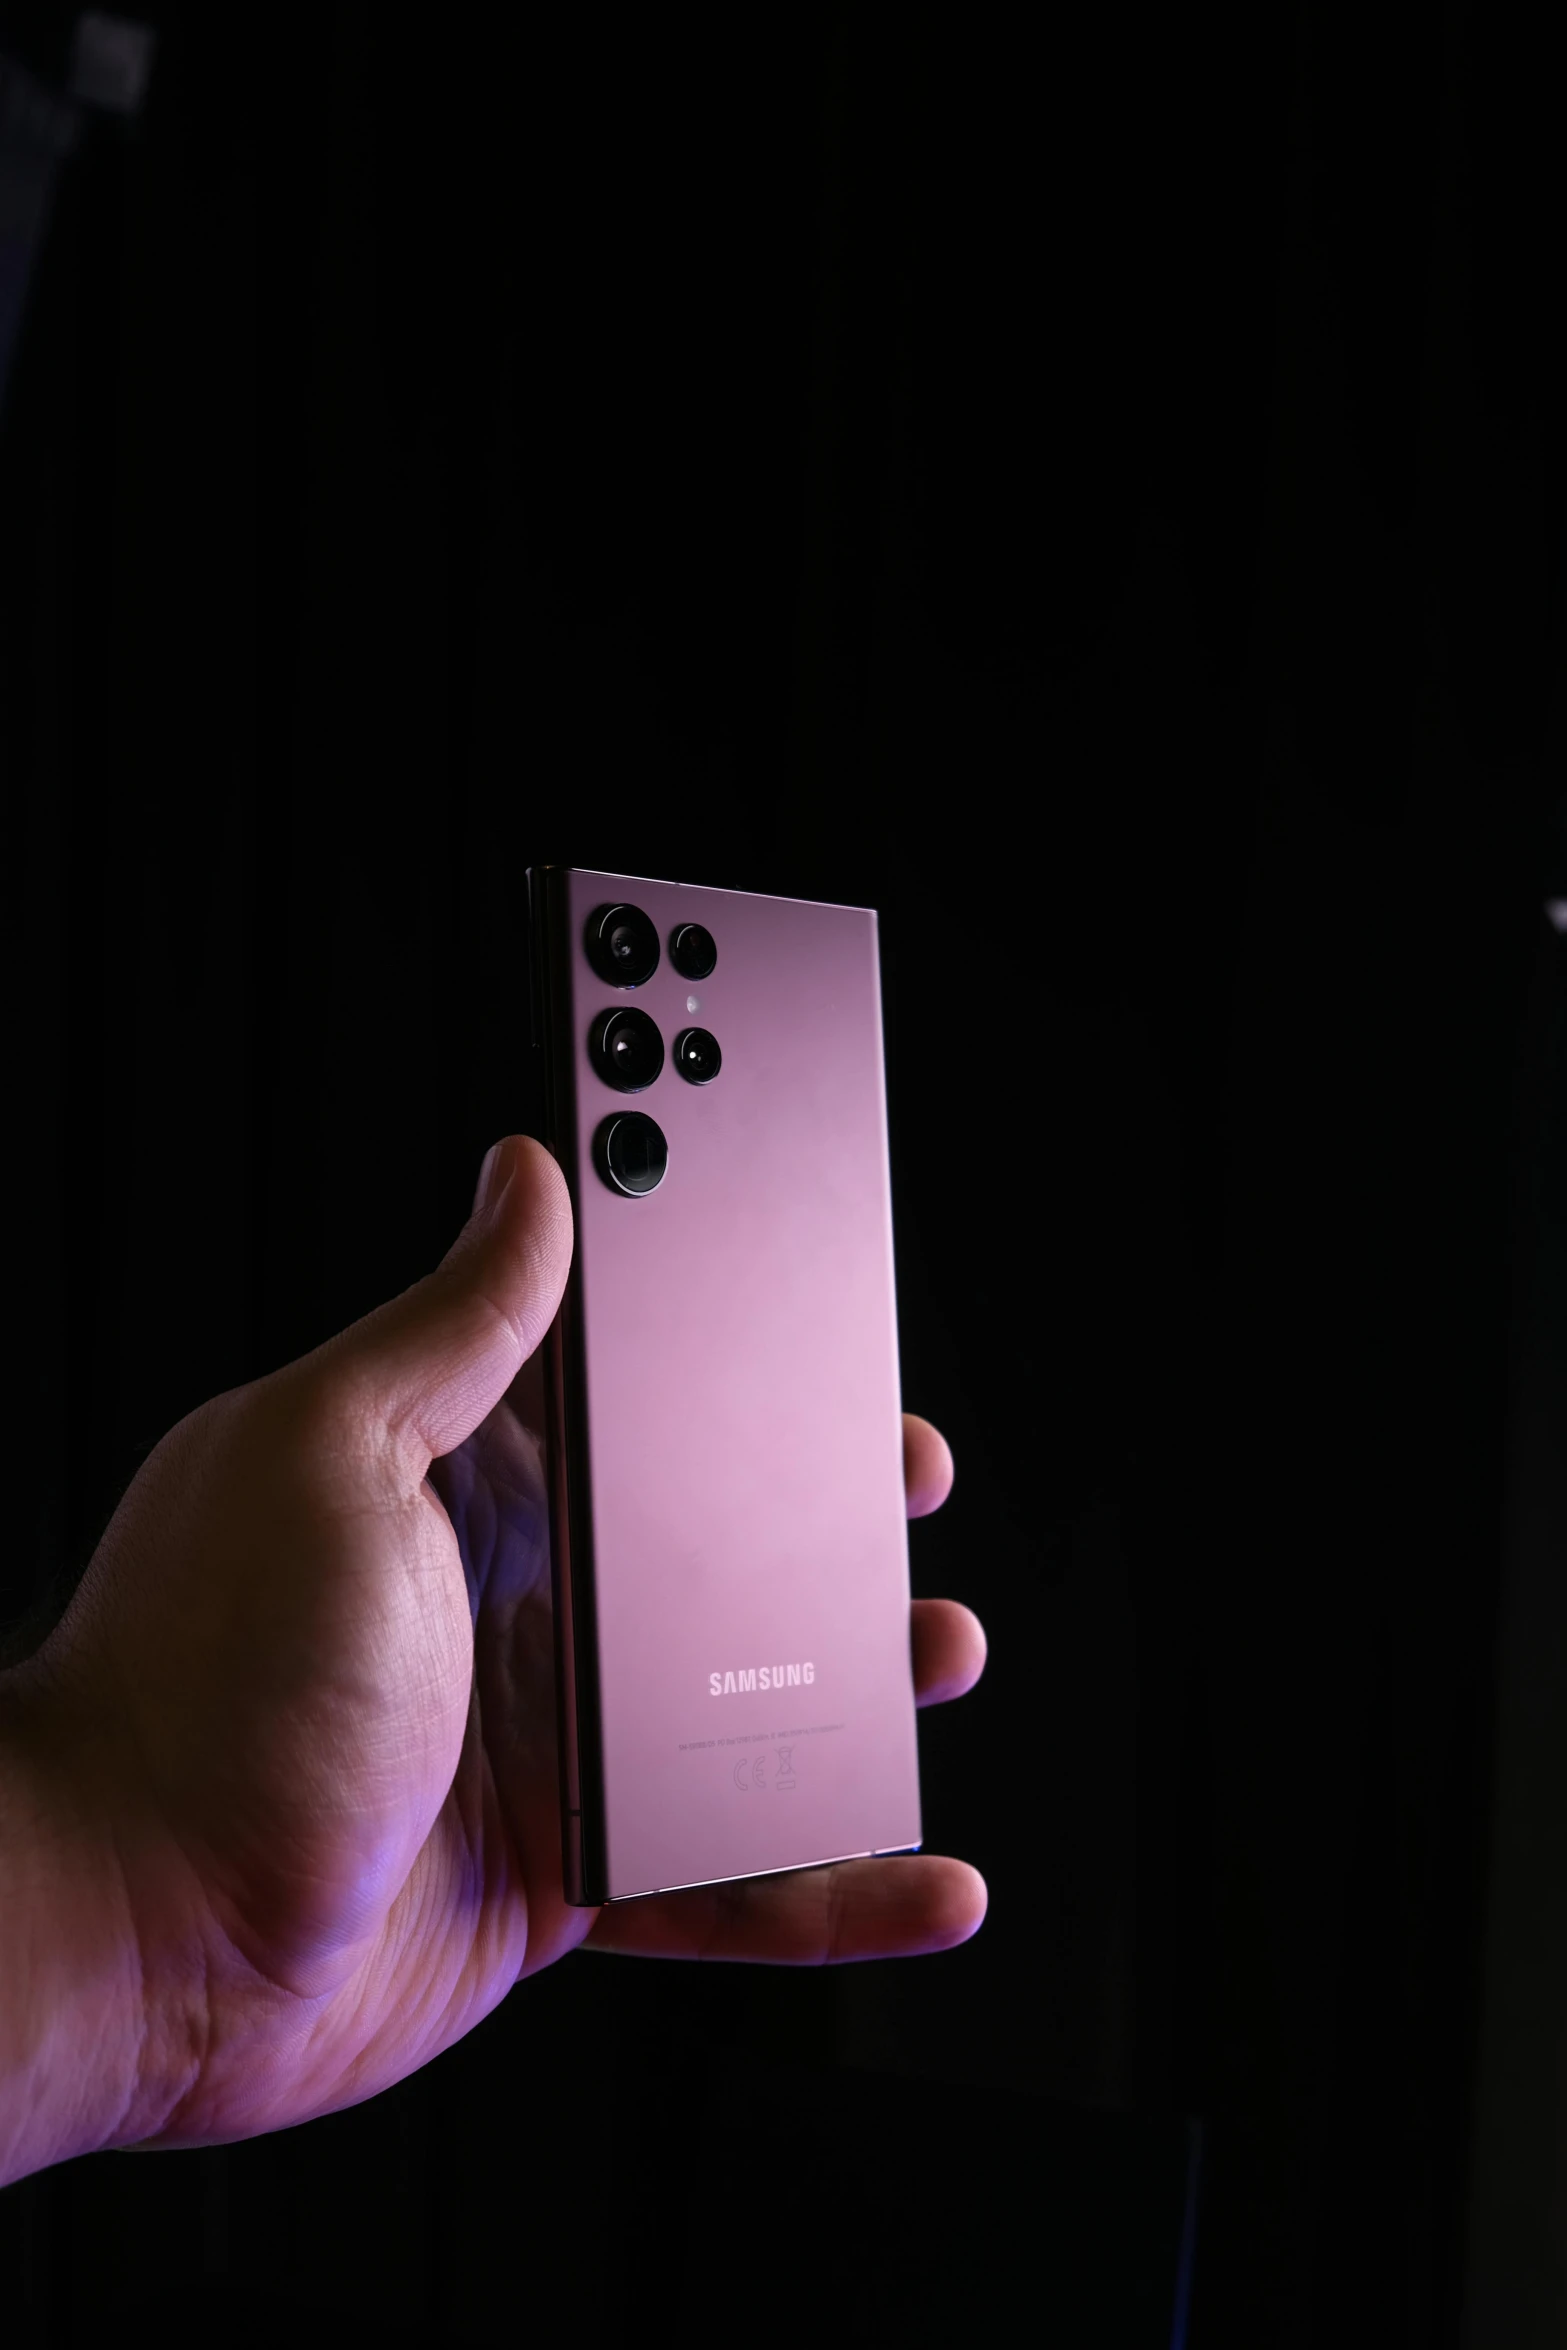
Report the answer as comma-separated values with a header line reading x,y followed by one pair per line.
x,y
1092,488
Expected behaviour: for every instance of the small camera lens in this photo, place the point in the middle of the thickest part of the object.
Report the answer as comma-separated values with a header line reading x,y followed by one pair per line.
x,y
622,945
697,1056
632,1153
628,1051
692,951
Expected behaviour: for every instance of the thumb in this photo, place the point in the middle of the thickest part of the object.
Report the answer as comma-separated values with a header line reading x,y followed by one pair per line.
x,y
424,1370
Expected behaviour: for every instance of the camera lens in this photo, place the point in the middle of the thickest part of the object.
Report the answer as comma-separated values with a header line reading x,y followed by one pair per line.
x,y
628,1051
632,1154
622,945
697,1056
692,951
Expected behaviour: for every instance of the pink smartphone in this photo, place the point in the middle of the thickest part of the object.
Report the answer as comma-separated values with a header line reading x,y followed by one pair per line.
x,y
729,1537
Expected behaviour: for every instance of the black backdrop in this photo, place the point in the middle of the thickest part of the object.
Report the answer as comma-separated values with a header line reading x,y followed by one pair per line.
x,y
1092,489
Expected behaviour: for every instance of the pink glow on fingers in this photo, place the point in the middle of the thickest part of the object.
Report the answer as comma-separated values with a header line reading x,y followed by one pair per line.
x,y
949,1650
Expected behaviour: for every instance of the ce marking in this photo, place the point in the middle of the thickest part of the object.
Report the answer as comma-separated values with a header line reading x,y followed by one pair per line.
x,y
748,1771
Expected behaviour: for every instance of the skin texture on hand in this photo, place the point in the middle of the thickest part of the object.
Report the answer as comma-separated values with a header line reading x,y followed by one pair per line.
x,y
278,1802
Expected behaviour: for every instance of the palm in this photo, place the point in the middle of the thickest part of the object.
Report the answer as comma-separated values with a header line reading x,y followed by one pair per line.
x,y
483,1903
495,1499
313,1776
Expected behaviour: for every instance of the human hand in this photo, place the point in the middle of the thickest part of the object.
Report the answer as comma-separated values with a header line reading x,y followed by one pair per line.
x,y
281,1788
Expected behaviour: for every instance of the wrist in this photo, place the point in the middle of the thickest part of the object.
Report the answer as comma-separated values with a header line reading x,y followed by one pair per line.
x,y
75,2031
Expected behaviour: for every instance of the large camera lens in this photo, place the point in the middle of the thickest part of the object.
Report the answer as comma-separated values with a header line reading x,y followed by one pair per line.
x,y
628,1051
632,1154
697,1056
622,945
692,951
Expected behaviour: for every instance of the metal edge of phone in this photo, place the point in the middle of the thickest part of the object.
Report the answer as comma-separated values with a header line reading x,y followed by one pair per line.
x,y
571,1533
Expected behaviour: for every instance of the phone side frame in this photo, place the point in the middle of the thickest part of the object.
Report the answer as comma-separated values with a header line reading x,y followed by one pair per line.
x,y
578,1726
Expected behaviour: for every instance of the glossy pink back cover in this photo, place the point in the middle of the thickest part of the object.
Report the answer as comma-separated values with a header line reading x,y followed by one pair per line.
x,y
739,1379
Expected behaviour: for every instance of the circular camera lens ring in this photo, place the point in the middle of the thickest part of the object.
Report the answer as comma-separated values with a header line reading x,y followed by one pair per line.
x,y
692,950
627,1049
622,945
697,1055
631,1153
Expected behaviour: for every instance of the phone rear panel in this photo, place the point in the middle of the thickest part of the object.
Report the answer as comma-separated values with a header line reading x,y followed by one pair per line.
x,y
730,1540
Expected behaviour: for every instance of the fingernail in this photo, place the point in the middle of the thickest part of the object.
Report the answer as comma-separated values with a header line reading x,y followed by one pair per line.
x,y
488,1188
